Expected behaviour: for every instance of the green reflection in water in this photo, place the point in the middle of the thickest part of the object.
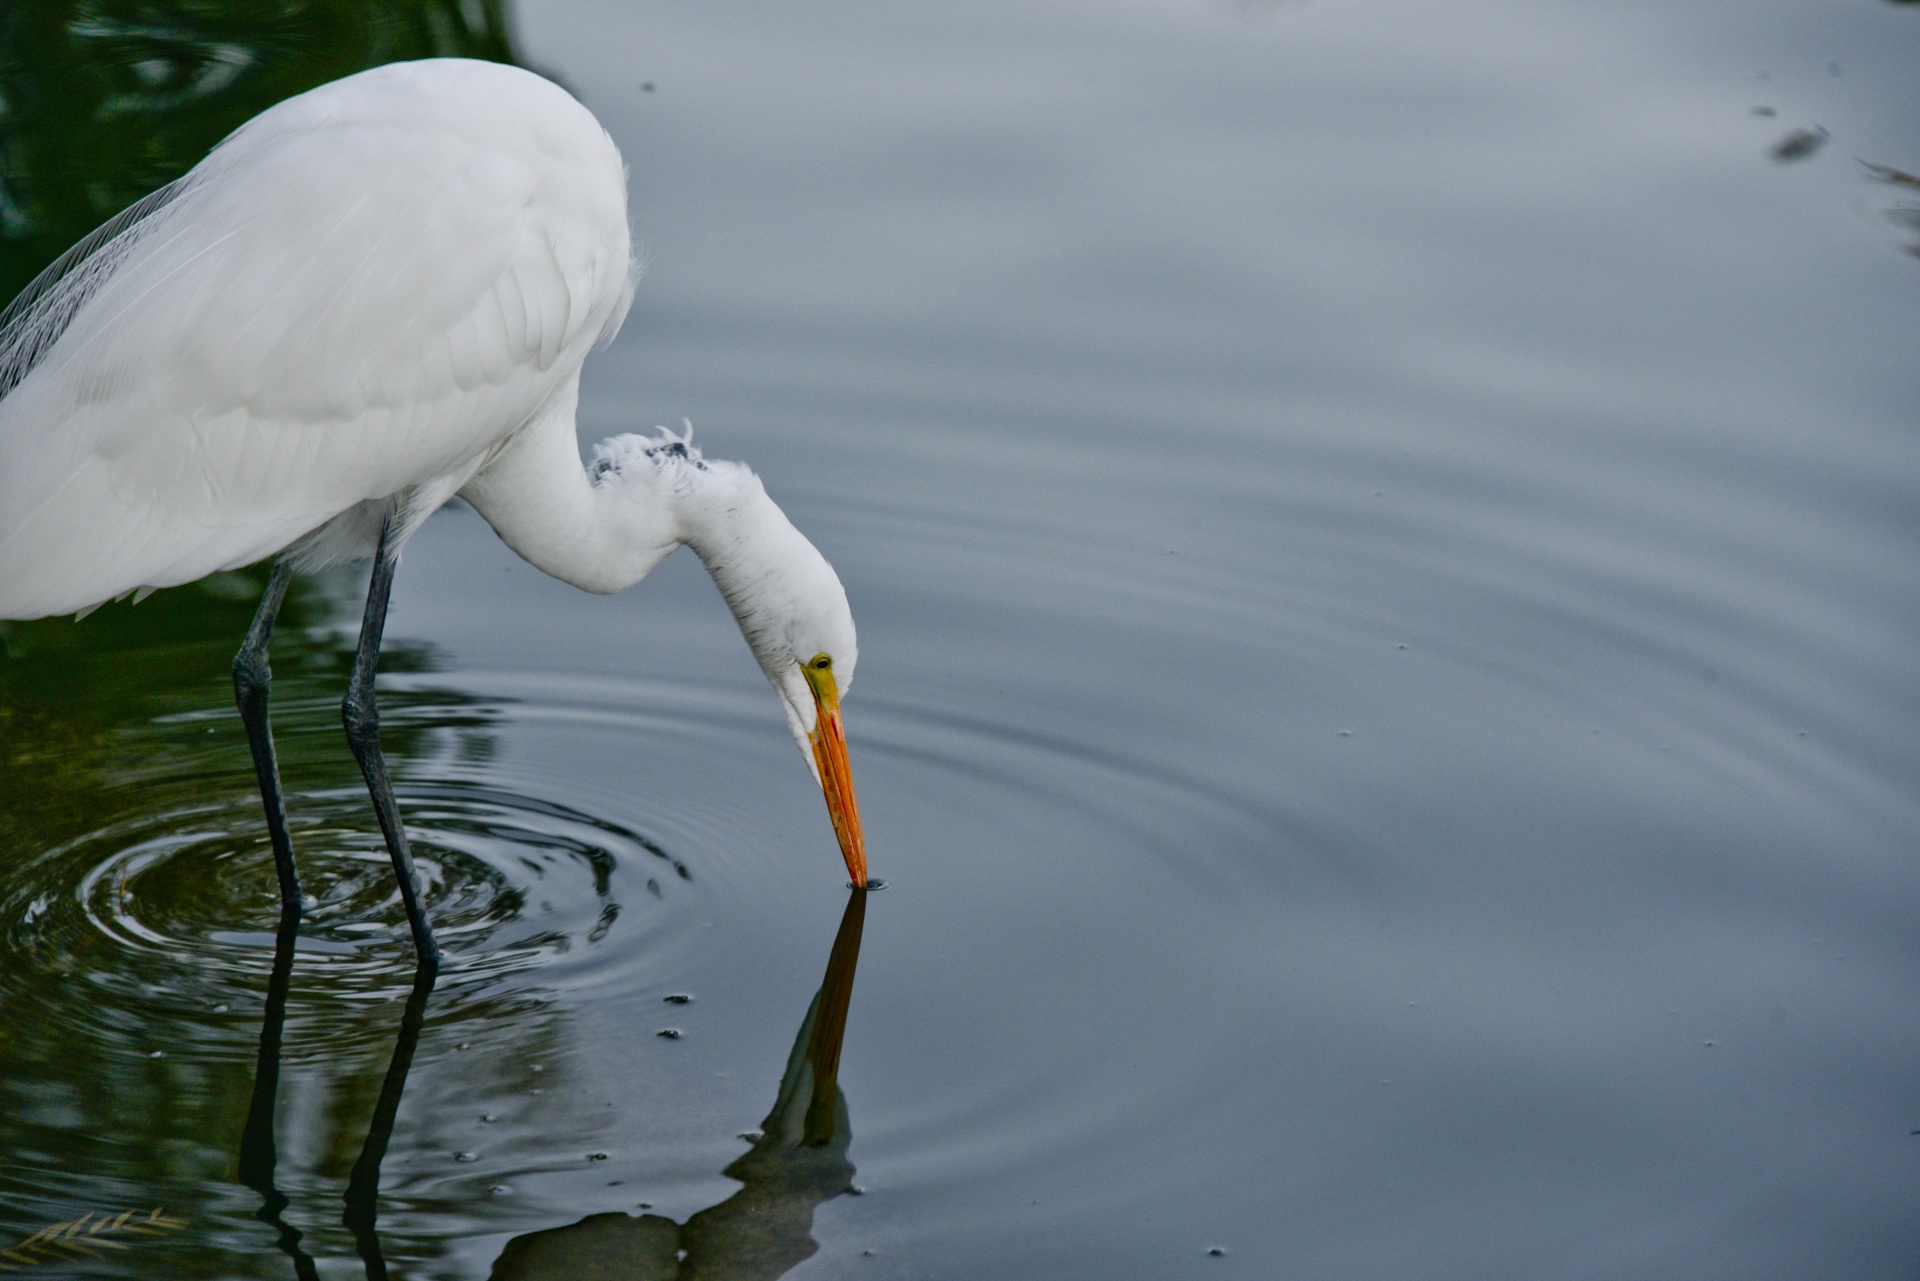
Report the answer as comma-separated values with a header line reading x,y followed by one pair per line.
x,y
138,902
102,101
138,914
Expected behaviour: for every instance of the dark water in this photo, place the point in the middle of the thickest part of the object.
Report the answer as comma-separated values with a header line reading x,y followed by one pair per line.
x,y
1385,551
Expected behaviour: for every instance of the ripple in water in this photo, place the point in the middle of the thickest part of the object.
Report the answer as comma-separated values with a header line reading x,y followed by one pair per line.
x,y
173,912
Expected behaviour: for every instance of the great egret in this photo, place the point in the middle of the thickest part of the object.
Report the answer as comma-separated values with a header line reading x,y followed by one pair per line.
x,y
370,298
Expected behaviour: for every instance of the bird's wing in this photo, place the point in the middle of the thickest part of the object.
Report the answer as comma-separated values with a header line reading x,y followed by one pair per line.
x,y
35,319
365,289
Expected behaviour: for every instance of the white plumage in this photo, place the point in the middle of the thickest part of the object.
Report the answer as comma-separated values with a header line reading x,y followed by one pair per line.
x,y
361,292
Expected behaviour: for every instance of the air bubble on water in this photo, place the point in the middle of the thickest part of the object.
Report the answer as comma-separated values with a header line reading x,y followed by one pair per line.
x,y
158,1054
491,1117
221,1008
499,1189
463,1045
464,1157
539,1067
753,1136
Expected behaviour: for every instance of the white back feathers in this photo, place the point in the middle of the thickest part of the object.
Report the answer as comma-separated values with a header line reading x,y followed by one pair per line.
x,y
362,291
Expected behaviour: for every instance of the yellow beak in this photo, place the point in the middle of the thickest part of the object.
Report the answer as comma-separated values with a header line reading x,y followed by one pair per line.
x,y
836,776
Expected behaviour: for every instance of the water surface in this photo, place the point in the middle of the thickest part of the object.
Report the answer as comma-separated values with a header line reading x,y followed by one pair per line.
x,y
1384,548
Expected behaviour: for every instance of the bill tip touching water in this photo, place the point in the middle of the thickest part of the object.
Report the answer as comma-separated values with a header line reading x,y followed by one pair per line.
x,y
829,742
369,299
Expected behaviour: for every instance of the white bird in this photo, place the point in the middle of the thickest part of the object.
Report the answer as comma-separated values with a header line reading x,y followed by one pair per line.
x,y
368,299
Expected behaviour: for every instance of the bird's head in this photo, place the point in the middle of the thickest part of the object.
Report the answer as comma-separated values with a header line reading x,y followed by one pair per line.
x,y
791,608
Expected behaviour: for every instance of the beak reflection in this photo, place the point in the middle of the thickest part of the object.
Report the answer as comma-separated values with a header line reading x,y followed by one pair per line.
x,y
798,1163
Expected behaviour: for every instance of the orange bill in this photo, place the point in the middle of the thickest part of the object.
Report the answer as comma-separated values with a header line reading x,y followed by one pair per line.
x,y
836,776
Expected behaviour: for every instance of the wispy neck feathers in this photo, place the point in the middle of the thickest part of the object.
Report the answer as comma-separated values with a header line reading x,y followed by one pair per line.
x,y
787,599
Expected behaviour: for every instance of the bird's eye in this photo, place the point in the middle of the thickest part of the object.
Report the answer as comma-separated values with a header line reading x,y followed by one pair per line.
x,y
821,663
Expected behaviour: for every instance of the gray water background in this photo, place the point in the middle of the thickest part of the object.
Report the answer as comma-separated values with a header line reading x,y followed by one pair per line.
x,y
1384,543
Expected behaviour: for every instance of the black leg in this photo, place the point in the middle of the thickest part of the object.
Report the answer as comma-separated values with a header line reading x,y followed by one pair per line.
x,y
251,680
362,716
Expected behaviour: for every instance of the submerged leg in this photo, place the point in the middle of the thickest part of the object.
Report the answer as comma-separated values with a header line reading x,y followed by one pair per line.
x,y
362,716
251,681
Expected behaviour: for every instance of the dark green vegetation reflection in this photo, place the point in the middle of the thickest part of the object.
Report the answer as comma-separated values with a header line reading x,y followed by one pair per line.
x,y
102,101
141,939
138,911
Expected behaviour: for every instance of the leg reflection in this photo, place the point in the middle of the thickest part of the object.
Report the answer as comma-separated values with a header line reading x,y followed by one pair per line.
x,y
363,1185
257,1157
798,1163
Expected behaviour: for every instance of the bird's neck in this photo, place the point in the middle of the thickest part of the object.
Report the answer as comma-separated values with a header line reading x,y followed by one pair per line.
x,y
603,527
546,507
